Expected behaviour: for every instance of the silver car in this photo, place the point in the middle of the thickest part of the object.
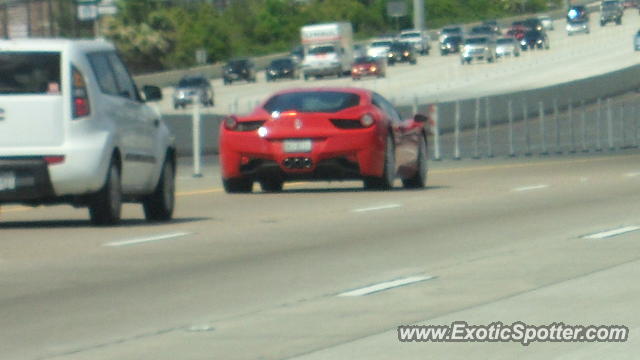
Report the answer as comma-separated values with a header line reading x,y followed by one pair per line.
x,y
507,46
478,48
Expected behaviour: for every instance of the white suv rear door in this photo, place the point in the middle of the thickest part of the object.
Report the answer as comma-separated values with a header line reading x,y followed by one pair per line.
x,y
133,122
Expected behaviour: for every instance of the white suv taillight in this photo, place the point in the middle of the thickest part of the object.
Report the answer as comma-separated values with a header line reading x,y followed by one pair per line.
x,y
80,96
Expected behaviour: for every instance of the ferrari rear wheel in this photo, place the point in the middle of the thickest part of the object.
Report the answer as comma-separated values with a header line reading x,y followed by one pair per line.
x,y
419,180
237,185
271,185
388,176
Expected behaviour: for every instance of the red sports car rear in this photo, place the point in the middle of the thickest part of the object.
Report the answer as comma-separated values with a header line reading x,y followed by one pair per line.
x,y
322,134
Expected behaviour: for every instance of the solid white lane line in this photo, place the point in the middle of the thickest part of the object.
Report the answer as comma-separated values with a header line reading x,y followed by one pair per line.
x,y
386,286
376,208
532,187
147,239
611,233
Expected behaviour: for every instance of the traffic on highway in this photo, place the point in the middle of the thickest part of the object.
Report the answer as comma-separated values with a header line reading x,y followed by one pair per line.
x,y
338,201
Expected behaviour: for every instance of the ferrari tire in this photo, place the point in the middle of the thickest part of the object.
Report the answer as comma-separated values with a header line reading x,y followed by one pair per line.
x,y
237,185
419,180
159,205
271,185
385,182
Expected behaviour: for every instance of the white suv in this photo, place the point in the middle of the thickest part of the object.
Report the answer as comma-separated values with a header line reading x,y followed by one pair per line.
x,y
74,129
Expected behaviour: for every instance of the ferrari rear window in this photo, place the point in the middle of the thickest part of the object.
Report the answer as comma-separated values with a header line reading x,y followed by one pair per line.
x,y
30,72
312,101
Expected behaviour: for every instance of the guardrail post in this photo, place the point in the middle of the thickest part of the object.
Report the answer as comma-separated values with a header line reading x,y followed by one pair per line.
x,y
634,118
623,134
572,134
527,135
583,125
433,109
610,125
598,121
456,133
512,152
476,136
556,117
197,146
487,115
543,141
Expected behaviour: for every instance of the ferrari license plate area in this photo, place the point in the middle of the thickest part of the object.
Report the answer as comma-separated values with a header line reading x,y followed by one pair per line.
x,y
297,146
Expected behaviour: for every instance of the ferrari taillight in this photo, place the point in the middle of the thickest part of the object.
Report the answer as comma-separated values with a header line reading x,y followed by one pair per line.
x,y
366,120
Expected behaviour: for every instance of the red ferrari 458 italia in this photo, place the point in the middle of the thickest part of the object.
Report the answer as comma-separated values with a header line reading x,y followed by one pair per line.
x,y
323,134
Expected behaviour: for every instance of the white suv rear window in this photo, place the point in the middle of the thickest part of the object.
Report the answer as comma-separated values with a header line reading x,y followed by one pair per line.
x,y
29,73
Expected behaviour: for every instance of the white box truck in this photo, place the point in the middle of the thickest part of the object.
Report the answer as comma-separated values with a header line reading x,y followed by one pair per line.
x,y
328,49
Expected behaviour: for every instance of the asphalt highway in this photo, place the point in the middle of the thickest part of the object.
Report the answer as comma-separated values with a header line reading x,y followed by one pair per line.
x,y
257,276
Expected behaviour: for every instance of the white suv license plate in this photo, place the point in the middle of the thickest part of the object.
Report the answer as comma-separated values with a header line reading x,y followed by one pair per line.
x,y
297,146
7,181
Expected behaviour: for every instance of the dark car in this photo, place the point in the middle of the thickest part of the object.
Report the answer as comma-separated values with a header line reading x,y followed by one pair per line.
x,y
451,44
239,69
611,11
482,30
493,24
284,68
534,39
401,52
534,24
190,88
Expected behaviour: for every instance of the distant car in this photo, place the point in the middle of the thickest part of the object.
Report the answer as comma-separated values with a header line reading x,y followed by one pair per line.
x,y
452,44
297,54
520,24
239,69
379,48
419,39
636,41
517,31
478,48
368,66
547,22
190,88
507,46
323,134
482,30
283,68
611,11
534,39
401,52
449,31
493,24
534,24
577,20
